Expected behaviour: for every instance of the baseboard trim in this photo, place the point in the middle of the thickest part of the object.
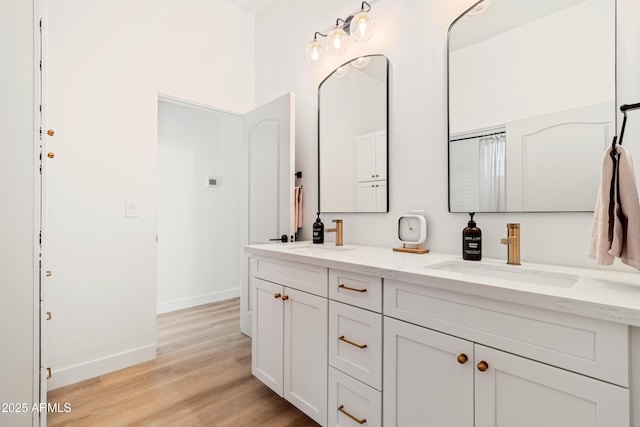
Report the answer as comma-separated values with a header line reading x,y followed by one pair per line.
x,y
94,368
182,303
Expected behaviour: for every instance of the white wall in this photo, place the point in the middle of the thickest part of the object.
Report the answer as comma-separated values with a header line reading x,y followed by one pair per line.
x,y
18,190
198,224
555,84
413,33
108,60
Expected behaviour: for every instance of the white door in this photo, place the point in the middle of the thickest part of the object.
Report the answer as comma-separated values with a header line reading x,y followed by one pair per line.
x,y
20,220
268,140
514,391
305,352
428,378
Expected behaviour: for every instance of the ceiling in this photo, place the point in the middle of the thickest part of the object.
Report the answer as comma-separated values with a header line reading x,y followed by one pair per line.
x,y
251,6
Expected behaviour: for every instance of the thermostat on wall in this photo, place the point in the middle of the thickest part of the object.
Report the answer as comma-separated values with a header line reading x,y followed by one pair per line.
x,y
131,208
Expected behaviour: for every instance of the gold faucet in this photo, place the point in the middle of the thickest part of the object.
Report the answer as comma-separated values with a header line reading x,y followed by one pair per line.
x,y
337,230
513,243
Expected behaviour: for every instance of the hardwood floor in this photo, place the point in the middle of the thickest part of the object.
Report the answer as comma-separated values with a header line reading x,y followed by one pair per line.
x,y
201,377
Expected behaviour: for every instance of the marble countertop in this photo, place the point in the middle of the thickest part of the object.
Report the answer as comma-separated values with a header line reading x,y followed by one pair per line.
x,y
598,293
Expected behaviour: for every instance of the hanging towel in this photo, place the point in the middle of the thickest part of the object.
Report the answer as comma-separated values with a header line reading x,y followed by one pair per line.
x,y
615,231
626,230
298,207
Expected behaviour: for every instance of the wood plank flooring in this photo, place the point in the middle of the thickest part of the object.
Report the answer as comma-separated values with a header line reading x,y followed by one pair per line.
x,y
201,377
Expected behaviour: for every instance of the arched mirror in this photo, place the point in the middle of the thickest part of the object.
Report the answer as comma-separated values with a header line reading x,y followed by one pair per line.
x,y
353,137
531,104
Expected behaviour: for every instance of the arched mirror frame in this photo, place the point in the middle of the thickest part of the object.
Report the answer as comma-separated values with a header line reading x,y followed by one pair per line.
x,y
379,185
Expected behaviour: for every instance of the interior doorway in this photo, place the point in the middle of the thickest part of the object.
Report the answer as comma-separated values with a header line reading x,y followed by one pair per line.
x,y
198,228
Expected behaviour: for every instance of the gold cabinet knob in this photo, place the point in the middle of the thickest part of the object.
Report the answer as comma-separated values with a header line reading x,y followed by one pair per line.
x,y
462,358
51,155
50,132
285,297
278,295
483,366
48,273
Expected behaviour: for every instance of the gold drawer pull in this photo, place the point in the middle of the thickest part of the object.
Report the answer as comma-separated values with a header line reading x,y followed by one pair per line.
x,y
343,339
341,409
343,286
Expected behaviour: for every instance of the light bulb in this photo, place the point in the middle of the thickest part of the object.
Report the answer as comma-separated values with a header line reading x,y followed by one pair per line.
x,y
361,62
337,41
361,27
479,8
341,71
313,52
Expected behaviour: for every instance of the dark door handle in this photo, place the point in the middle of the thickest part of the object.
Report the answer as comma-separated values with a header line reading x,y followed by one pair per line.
x,y
283,239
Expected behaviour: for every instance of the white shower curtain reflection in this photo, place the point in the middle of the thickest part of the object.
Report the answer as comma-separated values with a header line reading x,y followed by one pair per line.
x,y
492,173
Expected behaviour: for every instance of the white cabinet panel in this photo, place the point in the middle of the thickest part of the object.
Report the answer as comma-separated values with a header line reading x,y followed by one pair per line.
x,y
424,383
514,391
305,353
372,196
267,342
355,343
372,156
352,403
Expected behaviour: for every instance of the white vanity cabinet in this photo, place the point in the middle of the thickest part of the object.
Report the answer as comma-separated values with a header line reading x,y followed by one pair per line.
x,y
289,345
399,347
460,378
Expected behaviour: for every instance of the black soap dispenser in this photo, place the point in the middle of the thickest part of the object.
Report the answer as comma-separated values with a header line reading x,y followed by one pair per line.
x,y
318,230
472,241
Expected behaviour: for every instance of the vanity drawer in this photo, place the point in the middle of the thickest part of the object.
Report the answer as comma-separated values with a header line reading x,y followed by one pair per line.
x,y
349,398
304,277
355,342
588,346
356,289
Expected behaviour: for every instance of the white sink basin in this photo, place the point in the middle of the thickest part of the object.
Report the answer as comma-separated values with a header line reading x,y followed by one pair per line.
x,y
318,248
508,272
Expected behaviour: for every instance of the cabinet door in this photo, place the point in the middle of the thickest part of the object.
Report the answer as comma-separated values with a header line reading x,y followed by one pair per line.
x,y
367,193
381,196
514,391
424,383
305,353
367,157
267,341
381,155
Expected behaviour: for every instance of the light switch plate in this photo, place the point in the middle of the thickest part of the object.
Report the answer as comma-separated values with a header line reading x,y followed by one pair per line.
x,y
131,209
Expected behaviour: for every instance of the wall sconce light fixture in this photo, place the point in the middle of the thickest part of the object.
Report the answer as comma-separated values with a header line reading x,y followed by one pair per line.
x,y
360,26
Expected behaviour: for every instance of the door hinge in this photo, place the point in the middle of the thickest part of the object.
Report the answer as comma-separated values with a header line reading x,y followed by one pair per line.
x,y
40,234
